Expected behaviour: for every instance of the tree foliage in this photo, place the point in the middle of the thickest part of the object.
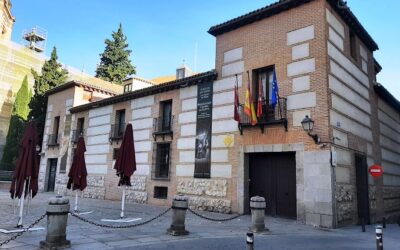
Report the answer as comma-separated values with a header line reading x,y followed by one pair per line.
x,y
16,128
52,75
115,64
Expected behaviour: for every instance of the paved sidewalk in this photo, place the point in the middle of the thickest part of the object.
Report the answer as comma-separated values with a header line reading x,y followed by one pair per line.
x,y
204,234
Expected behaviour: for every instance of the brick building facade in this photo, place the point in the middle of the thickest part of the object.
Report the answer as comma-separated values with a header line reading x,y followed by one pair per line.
x,y
323,60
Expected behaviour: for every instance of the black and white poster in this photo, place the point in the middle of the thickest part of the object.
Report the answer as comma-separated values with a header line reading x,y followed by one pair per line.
x,y
203,130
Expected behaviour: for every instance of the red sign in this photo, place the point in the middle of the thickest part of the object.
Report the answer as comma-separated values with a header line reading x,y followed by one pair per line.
x,y
375,170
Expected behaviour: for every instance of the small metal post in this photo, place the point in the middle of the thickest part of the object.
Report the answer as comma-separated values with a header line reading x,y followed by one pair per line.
x,y
250,241
363,224
379,237
179,206
57,218
384,222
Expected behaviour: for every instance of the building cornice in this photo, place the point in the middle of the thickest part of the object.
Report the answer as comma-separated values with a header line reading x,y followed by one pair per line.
x,y
177,84
284,5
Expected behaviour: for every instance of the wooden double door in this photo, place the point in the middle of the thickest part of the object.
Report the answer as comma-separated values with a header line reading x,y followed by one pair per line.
x,y
273,176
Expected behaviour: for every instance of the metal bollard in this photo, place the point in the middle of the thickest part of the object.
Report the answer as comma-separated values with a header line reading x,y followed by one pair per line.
x,y
384,222
57,217
257,206
379,237
179,207
250,241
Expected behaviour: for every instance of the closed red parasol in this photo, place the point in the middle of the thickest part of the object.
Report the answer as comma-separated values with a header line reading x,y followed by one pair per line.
x,y
78,173
125,163
25,178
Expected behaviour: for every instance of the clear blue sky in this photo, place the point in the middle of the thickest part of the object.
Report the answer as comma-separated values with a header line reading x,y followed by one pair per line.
x,y
163,33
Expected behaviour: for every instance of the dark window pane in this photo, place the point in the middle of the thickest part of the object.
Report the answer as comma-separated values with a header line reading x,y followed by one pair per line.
x,y
166,115
162,160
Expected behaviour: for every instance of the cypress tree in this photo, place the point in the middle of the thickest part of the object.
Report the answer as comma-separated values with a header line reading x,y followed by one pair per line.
x,y
115,64
16,128
52,75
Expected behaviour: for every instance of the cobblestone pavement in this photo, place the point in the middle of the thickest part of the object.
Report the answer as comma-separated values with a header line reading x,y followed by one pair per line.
x,y
204,234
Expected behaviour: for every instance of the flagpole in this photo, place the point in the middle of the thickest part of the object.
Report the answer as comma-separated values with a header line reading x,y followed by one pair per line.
x,y
21,207
123,202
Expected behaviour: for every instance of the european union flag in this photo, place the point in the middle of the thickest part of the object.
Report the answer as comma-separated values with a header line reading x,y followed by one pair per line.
x,y
275,90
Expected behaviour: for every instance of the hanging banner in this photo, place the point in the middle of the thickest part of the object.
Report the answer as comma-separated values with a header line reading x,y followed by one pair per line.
x,y
203,130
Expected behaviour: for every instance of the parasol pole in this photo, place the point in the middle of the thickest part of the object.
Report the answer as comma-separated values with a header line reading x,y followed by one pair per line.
x,y
29,196
14,199
76,201
123,202
14,206
21,207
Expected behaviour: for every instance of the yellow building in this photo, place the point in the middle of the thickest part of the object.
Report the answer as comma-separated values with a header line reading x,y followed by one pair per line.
x,y
16,61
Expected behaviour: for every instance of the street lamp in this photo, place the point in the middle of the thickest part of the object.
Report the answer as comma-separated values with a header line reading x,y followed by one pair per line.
x,y
308,124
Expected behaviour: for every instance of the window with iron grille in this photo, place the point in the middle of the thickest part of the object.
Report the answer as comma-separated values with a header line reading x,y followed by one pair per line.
x,y
54,137
115,153
161,168
160,192
118,129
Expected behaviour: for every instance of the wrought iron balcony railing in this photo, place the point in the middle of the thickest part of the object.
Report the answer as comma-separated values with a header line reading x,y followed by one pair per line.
x,y
162,127
117,131
53,140
270,115
76,134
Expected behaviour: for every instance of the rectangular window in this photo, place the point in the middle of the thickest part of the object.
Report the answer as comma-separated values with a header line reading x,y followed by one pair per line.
x,y
80,125
262,76
160,192
161,170
128,88
166,116
120,121
56,125
115,153
56,128
353,45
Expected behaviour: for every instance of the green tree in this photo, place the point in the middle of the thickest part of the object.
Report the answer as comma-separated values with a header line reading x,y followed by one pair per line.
x,y
16,128
115,64
52,75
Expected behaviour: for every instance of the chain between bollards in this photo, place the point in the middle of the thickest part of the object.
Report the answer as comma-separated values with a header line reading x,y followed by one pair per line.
x,y
215,219
119,227
24,231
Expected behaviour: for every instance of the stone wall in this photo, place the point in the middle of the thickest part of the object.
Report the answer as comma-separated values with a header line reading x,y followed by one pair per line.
x,y
205,194
345,203
95,187
137,192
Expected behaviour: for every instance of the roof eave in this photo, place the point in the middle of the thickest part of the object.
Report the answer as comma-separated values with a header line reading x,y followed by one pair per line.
x,y
387,96
181,83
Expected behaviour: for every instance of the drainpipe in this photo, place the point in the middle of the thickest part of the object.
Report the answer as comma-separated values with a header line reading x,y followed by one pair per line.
x,y
333,184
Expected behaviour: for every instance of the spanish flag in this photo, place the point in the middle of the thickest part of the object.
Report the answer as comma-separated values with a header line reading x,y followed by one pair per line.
x,y
249,104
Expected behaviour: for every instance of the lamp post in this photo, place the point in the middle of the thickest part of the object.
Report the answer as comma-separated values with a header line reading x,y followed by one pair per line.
x,y
308,124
